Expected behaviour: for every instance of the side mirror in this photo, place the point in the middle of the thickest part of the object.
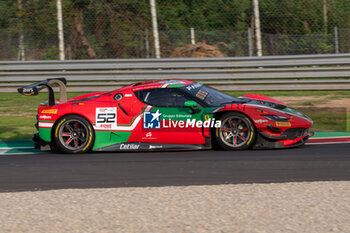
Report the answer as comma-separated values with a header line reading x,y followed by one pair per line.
x,y
190,103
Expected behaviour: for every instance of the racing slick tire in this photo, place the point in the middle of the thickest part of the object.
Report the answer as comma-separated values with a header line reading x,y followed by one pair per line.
x,y
73,134
237,132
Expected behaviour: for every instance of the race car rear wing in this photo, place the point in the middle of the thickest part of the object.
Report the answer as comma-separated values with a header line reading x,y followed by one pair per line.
x,y
35,88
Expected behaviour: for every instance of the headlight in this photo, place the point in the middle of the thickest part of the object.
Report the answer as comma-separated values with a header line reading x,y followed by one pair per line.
x,y
275,118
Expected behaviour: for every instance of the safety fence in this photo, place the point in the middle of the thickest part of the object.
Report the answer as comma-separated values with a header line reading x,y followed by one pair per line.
x,y
298,72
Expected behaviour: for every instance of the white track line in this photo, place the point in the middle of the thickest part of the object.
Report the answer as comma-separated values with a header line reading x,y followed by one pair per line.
x,y
329,137
3,151
323,143
10,148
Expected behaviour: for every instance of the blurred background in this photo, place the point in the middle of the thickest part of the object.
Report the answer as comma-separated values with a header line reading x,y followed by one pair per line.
x,y
187,28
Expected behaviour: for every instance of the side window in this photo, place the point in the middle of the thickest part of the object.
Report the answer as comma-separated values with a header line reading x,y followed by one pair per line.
x,y
162,97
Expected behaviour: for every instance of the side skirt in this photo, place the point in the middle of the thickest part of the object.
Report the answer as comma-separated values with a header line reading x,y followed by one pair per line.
x,y
145,146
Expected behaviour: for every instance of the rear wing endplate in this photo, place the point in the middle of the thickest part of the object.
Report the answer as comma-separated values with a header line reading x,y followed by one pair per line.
x,y
35,88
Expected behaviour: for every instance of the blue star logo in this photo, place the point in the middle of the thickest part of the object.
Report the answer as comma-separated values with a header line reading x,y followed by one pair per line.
x,y
151,120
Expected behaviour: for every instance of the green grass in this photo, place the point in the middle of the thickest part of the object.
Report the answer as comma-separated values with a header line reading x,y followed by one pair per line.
x,y
328,119
18,112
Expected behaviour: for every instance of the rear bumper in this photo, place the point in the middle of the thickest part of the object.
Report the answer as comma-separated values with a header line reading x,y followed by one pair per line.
x,y
40,143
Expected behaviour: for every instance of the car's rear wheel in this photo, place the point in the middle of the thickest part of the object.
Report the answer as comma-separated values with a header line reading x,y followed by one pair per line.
x,y
237,132
73,134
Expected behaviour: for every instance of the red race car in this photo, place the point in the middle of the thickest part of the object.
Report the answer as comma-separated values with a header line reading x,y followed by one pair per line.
x,y
164,115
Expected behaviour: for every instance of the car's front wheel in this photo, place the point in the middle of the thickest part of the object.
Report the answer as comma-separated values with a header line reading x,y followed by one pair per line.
x,y
237,132
73,134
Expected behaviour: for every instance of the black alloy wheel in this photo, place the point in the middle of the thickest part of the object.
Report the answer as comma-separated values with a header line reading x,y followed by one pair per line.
x,y
73,134
237,132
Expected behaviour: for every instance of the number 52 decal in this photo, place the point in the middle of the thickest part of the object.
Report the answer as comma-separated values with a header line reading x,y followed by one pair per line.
x,y
106,118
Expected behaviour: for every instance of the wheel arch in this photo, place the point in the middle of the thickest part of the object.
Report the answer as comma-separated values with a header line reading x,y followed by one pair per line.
x,y
219,114
69,114
217,117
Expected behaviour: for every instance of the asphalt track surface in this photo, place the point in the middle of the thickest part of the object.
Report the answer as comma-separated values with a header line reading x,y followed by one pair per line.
x,y
105,170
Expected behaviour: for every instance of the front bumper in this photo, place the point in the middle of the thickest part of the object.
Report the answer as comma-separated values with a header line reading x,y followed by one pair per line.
x,y
292,137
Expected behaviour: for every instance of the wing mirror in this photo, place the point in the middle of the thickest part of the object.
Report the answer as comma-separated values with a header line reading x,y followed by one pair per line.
x,y
192,104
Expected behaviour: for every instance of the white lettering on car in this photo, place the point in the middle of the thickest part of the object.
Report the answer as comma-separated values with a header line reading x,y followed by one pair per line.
x,y
129,146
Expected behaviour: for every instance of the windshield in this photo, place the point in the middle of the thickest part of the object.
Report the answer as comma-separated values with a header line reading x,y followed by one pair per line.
x,y
208,95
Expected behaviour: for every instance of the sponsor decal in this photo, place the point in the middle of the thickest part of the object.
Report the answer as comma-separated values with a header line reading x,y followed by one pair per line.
x,y
192,123
106,118
177,116
45,125
201,94
283,124
206,117
45,117
148,136
128,95
106,126
50,111
129,146
155,147
151,120
193,86
28,91
261,121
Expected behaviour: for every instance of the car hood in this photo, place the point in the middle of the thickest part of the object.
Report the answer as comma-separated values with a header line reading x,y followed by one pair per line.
x,y
275,105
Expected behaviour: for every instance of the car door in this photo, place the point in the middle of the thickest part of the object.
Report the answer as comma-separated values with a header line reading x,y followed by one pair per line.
x,y
169,120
